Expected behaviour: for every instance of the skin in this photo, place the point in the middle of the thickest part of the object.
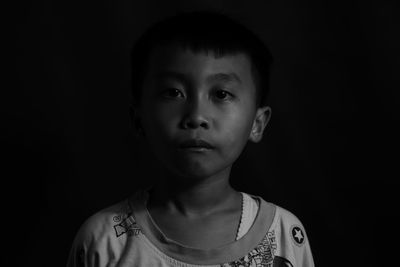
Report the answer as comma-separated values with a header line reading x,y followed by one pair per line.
x,y
190,95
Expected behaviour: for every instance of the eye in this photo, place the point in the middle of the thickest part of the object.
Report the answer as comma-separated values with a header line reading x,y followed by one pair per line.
x,y
172,93
223,95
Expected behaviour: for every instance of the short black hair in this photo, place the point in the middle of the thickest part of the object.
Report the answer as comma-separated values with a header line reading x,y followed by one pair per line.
x,y
203,31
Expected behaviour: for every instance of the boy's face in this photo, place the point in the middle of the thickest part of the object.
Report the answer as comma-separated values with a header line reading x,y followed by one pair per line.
x,y
194,96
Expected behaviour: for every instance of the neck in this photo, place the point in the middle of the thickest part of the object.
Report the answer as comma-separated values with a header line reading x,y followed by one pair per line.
x,y
196,198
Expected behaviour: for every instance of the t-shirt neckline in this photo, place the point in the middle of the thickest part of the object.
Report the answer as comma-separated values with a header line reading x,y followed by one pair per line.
x,y
226,253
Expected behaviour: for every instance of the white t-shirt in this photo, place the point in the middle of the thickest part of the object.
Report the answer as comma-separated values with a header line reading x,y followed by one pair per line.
x,y
125,235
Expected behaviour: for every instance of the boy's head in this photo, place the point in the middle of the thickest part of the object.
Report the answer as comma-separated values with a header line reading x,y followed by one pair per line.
x,y
200,82
203,32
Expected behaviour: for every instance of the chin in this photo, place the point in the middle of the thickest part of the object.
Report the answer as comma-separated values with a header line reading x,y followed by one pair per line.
x,y
193,171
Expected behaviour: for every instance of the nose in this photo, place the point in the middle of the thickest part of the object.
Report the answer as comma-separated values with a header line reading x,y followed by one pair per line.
x,y
196,115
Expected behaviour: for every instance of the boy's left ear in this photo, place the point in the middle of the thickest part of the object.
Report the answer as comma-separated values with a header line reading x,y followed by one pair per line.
x,y
261,120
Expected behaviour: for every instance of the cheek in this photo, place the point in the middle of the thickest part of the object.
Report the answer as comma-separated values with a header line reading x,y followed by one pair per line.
x,y
160,121
235,130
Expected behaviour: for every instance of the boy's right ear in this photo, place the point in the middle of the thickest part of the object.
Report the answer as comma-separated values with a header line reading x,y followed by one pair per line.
x,y
135,120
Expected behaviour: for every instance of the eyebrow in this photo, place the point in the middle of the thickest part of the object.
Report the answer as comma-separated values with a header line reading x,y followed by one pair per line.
x,y
171,74
222,77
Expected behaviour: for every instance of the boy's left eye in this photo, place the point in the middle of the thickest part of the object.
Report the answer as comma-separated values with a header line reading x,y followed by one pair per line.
x,y
223,95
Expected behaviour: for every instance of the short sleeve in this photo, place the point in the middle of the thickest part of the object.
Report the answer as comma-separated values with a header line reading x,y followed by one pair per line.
x,y
302,249
95,244
294,247
76,256
83,251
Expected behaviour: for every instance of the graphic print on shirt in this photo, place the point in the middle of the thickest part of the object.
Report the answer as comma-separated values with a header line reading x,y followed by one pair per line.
x,y
297,234
281,262
261,256
128,226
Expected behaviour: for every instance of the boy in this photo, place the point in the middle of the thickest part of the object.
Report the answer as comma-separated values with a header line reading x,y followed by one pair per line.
x,y
199,87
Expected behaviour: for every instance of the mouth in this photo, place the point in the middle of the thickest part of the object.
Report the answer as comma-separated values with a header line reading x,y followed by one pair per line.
x,y
198,145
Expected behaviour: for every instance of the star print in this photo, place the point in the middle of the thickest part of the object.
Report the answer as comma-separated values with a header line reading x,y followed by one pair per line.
x,y
297,234
299,237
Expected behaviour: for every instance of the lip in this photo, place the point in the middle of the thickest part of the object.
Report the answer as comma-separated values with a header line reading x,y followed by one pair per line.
x,y
195,149
196,145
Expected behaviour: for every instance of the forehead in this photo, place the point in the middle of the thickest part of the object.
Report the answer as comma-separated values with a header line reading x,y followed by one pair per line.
x,y
199,65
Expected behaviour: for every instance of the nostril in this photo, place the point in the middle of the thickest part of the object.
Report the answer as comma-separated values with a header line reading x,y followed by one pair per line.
x,y
195,123
204,125
190,125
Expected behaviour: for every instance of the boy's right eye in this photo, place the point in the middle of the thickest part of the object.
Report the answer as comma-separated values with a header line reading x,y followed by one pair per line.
x,y
172,93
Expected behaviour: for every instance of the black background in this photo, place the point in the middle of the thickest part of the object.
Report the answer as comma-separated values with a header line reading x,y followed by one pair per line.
x,y
330,153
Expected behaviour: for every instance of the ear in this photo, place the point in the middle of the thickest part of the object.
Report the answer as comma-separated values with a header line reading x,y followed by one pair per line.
x,y
261,120
135,120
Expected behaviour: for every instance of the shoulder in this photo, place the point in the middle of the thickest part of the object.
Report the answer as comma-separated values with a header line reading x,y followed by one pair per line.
x,y
289,237
278,215
290,227
102,222
99,233
287,218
